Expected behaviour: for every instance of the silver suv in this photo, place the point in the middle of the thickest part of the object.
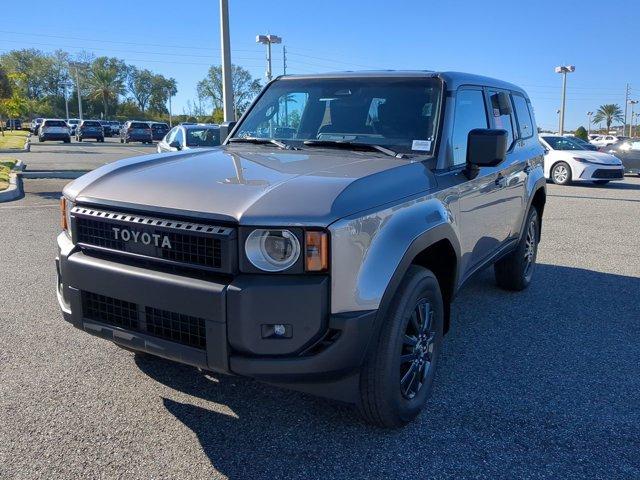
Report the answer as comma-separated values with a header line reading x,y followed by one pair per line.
x,y
321,246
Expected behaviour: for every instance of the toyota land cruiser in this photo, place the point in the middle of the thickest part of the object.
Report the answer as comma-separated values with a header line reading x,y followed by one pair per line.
x,y
321,246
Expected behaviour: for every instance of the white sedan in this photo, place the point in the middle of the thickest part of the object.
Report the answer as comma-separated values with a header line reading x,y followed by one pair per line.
x,y
566,161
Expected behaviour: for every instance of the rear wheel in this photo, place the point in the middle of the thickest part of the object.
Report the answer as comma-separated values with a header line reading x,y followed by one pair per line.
x,y
398,374
514,272
561,173
121,140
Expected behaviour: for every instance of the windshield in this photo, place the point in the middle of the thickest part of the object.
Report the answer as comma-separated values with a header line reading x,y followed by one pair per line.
x,y
91,123
55,123
563,143
160,126
399,113
203,137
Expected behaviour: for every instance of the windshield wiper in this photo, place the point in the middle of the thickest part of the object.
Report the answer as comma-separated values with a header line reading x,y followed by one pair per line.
x,y
259,141
353,145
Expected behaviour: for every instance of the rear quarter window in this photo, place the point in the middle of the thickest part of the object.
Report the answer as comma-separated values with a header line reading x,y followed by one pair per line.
x,y
523,115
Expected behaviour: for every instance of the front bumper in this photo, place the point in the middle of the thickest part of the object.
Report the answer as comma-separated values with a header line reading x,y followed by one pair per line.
x,y
594,172
320,353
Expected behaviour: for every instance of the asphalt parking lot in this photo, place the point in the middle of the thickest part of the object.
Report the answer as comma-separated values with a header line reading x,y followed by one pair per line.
x,y
539,384
85,155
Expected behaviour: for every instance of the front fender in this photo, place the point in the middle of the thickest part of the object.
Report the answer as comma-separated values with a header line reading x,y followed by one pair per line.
x,y
370,250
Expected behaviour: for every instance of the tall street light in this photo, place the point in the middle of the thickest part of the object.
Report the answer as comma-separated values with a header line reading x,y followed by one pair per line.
x,y
268,40
564,70
227,88
589,114
75,65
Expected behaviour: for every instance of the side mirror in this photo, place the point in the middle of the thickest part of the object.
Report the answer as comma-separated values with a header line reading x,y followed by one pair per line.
x,y
225,130
486,148
175,144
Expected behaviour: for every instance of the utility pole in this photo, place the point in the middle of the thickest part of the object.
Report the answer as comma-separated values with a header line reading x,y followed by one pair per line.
x,y
564,70
66,101
589,127
284,59
227,88
170,113
286,99
78,90
626,105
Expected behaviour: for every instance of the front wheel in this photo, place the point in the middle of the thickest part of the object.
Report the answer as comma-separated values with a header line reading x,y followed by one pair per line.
x,y
561,173
514,272
398,374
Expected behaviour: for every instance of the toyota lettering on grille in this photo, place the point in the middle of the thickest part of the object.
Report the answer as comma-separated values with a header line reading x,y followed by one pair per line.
x,y
141,237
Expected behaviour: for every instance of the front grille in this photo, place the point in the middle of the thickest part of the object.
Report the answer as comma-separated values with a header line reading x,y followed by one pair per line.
x,y
608,173
210,247
110,310
177,327
172,326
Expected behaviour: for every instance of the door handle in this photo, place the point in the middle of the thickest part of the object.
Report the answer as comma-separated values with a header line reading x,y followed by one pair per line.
x,y
500,180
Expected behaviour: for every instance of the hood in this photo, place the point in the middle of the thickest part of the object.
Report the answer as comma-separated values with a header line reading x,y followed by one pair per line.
x,y
253,184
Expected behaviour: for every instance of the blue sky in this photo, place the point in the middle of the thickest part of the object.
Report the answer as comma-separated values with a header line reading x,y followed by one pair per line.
x,y
516,41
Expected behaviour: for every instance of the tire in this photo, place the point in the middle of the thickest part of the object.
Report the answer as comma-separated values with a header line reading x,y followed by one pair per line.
x,y
40,139
121,140
561,173
389,394
67,140
79,139
514,272
601,182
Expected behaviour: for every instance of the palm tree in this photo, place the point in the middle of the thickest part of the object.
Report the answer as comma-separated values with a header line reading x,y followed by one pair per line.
x,y
608,113
106,80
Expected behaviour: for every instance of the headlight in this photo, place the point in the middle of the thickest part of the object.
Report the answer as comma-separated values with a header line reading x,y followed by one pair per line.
x,y
65,215
272,250
583,160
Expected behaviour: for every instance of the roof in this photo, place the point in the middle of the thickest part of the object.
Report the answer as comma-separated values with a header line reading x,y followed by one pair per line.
x,y
452,80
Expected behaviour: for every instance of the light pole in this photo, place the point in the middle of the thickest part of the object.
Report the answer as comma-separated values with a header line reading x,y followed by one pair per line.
x,y
564,70
227,88
75,65
589,127
268,40
632,103
66,100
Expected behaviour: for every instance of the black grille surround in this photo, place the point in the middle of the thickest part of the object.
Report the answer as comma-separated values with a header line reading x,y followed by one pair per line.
x,y
176,242
172,326
608,173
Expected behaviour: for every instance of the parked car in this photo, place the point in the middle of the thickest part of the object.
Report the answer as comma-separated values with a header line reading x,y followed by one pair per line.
x,y
605,140
327,261
133,131
13,124
54,129
158,130
584,144
115,127
35,125
628,151
106,128
565,161
90,129
187,137
73,125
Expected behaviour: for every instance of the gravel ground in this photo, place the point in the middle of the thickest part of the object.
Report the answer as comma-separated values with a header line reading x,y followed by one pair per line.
x,y
539,384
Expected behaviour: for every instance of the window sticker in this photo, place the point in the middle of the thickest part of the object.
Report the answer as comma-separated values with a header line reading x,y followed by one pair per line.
x,y
421,145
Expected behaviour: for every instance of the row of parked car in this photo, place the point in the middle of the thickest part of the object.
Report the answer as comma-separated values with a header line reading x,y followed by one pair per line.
x,y
130,131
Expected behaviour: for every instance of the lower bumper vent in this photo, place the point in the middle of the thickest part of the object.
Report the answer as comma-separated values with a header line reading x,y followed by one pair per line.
x,y
172,326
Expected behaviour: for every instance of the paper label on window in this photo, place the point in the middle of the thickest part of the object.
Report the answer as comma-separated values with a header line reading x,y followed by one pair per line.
x,y
421,145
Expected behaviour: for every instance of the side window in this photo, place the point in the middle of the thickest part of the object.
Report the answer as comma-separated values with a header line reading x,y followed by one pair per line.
x,y
470,113
501,120
179,137
525,123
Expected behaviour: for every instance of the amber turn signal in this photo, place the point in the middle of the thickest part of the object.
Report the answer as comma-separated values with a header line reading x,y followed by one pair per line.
x,y
63,213
316,251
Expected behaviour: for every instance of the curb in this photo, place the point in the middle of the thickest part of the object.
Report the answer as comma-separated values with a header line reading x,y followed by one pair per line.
x,y
14,190
65,174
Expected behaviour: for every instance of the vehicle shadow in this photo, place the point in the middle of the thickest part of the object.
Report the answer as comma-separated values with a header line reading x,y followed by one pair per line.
x,y
541,382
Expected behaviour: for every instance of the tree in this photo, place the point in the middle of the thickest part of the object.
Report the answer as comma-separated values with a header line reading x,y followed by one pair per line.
x,y
245,88
5,84
608,114
161,89
140,85
581,132
106,80
17,105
